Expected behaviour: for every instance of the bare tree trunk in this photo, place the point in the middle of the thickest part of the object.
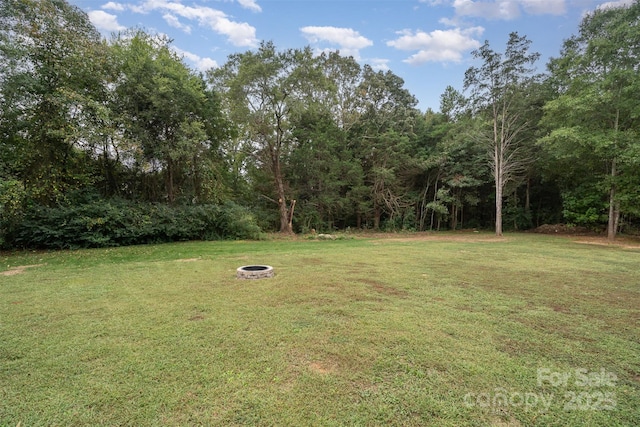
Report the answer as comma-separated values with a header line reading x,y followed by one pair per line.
x,y
423,206
498,210
499,180
435,197
290,215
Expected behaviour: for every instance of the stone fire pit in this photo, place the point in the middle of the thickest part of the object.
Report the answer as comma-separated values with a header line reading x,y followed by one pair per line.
x,y
254,272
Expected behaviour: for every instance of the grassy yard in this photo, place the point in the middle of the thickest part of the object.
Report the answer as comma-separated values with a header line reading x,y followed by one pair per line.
x,y
429,330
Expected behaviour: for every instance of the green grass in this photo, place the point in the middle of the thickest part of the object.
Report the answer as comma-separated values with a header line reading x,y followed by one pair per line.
x,y
365,331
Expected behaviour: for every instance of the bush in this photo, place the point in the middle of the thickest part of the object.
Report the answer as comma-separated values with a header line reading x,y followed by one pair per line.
x,y
115,222
585,206
12,194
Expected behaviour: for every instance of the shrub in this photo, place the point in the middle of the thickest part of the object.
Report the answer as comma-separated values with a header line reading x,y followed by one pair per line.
x,y
12,195
116,222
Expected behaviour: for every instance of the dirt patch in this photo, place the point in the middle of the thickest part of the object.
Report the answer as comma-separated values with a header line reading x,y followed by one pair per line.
x,y
560,309
620,242
449,236
586,236
13,272
501,422
19,269
383,289
322,367
189,259
312,261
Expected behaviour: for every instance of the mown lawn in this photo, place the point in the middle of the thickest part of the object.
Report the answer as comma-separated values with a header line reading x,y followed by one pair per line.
x,y
433,330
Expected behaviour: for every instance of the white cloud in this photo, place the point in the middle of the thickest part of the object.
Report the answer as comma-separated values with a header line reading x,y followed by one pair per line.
x,y
438,45
379,64
615,4
201,64
119,7
137,9
238,33
503,9
544,7
449,22
105,21
497,9
251,5
348,40
205,64
174,22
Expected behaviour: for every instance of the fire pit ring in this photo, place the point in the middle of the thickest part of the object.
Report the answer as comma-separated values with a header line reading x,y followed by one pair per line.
x,y
254,272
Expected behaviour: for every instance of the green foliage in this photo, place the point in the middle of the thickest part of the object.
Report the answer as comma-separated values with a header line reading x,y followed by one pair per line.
x,y
499,95
323,173
516,217
585,206
51,76
594,118
117,222
128,119
172,123
264,92
12,197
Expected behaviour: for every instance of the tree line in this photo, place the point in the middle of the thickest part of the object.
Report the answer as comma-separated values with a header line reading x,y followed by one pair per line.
x,y
102,136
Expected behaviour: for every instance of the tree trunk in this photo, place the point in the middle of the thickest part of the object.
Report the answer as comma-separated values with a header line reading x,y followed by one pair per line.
x,y
376,217
499,180
435,197
171,196
612,223
527,198
285,221
423,207
290,215
498,210
285,218
454,216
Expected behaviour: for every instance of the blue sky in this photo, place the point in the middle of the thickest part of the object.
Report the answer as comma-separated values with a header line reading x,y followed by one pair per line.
x,y
425,42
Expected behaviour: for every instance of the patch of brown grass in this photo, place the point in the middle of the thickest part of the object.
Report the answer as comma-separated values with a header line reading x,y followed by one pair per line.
x,y
620,242
383,288
19,269
322,368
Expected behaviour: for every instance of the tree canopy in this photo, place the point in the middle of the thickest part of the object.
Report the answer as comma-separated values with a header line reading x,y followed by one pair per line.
x,y
593,119
295,141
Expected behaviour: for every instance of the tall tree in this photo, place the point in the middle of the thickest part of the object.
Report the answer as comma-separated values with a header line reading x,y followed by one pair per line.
x,y
171,122
52,67
322,172
497,92
594,119
344,76
264,90
383,135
